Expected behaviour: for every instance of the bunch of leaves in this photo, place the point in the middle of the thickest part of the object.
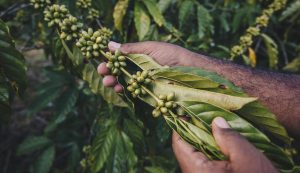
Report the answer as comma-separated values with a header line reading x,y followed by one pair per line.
x,y
12,72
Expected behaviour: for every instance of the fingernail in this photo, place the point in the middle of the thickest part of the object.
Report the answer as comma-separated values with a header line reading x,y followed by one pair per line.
x,y
114,45
221,123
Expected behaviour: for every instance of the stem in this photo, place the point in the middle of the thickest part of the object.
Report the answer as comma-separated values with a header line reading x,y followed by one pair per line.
x,y
130,76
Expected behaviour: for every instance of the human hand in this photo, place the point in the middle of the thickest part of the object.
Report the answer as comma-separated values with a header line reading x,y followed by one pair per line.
x,y
162,53
243,157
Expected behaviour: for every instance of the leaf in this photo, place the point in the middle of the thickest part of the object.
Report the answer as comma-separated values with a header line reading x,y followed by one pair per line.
x,y
293,66
155,169
206,113
46,94
119,13
45,160
200,138
145,62
141,20
185,10
186,79
291,10
154,11
272,51
210,75
163,5
253,112
260,116
66,104
190,94
204,21
90,75
252,57
102,146
32,143
12,62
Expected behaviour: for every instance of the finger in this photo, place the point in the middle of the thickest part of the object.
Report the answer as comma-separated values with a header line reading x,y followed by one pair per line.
x,y
113,46
118,88
146,47
232,144
188,158
109,81
102,69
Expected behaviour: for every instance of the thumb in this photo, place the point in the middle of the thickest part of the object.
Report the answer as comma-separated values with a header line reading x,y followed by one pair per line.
x,y
132,48
232,144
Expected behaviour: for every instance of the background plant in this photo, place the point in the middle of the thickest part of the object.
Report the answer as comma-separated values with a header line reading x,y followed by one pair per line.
x,y
74,124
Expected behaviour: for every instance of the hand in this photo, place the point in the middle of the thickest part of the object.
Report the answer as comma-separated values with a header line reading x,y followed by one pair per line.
x,y
163,53
243,157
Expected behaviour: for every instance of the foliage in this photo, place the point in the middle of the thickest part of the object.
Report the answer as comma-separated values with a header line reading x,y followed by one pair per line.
x,y
117,139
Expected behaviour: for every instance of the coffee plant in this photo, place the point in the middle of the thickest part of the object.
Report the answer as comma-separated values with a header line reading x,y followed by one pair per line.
x,y
94,129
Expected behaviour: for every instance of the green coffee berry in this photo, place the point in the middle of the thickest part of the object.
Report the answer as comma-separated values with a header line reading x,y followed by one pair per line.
x,y
69,28
165,104
92,42
162,97
93,14
170,96
55,14
40,4
84,4
138,79
156,113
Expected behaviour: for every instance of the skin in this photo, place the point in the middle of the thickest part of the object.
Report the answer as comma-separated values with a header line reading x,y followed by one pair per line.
x,y
279,92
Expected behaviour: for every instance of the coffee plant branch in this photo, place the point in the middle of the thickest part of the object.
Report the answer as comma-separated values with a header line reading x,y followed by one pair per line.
x,y
171,90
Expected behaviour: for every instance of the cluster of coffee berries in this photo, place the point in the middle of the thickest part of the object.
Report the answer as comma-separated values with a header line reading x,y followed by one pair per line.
x,y
137,80
164,105
261,21
84,3
93,14
92,42
115,62
70,28
55,14
40,4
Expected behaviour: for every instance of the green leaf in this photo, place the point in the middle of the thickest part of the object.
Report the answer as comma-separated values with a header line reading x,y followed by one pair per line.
x,y
210,75
123,158
291,10
66,104
102,146
119,13
186,79
154,11
190,94
155,169
12,72
32,143
293,66
90,75
185,10
204,21
272,51
253,112
143,61
45,160
200,138
163,5
206,113
141,20
48,92
260,116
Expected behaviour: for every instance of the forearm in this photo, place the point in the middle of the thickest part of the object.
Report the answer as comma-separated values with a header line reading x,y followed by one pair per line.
x,y
279,92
